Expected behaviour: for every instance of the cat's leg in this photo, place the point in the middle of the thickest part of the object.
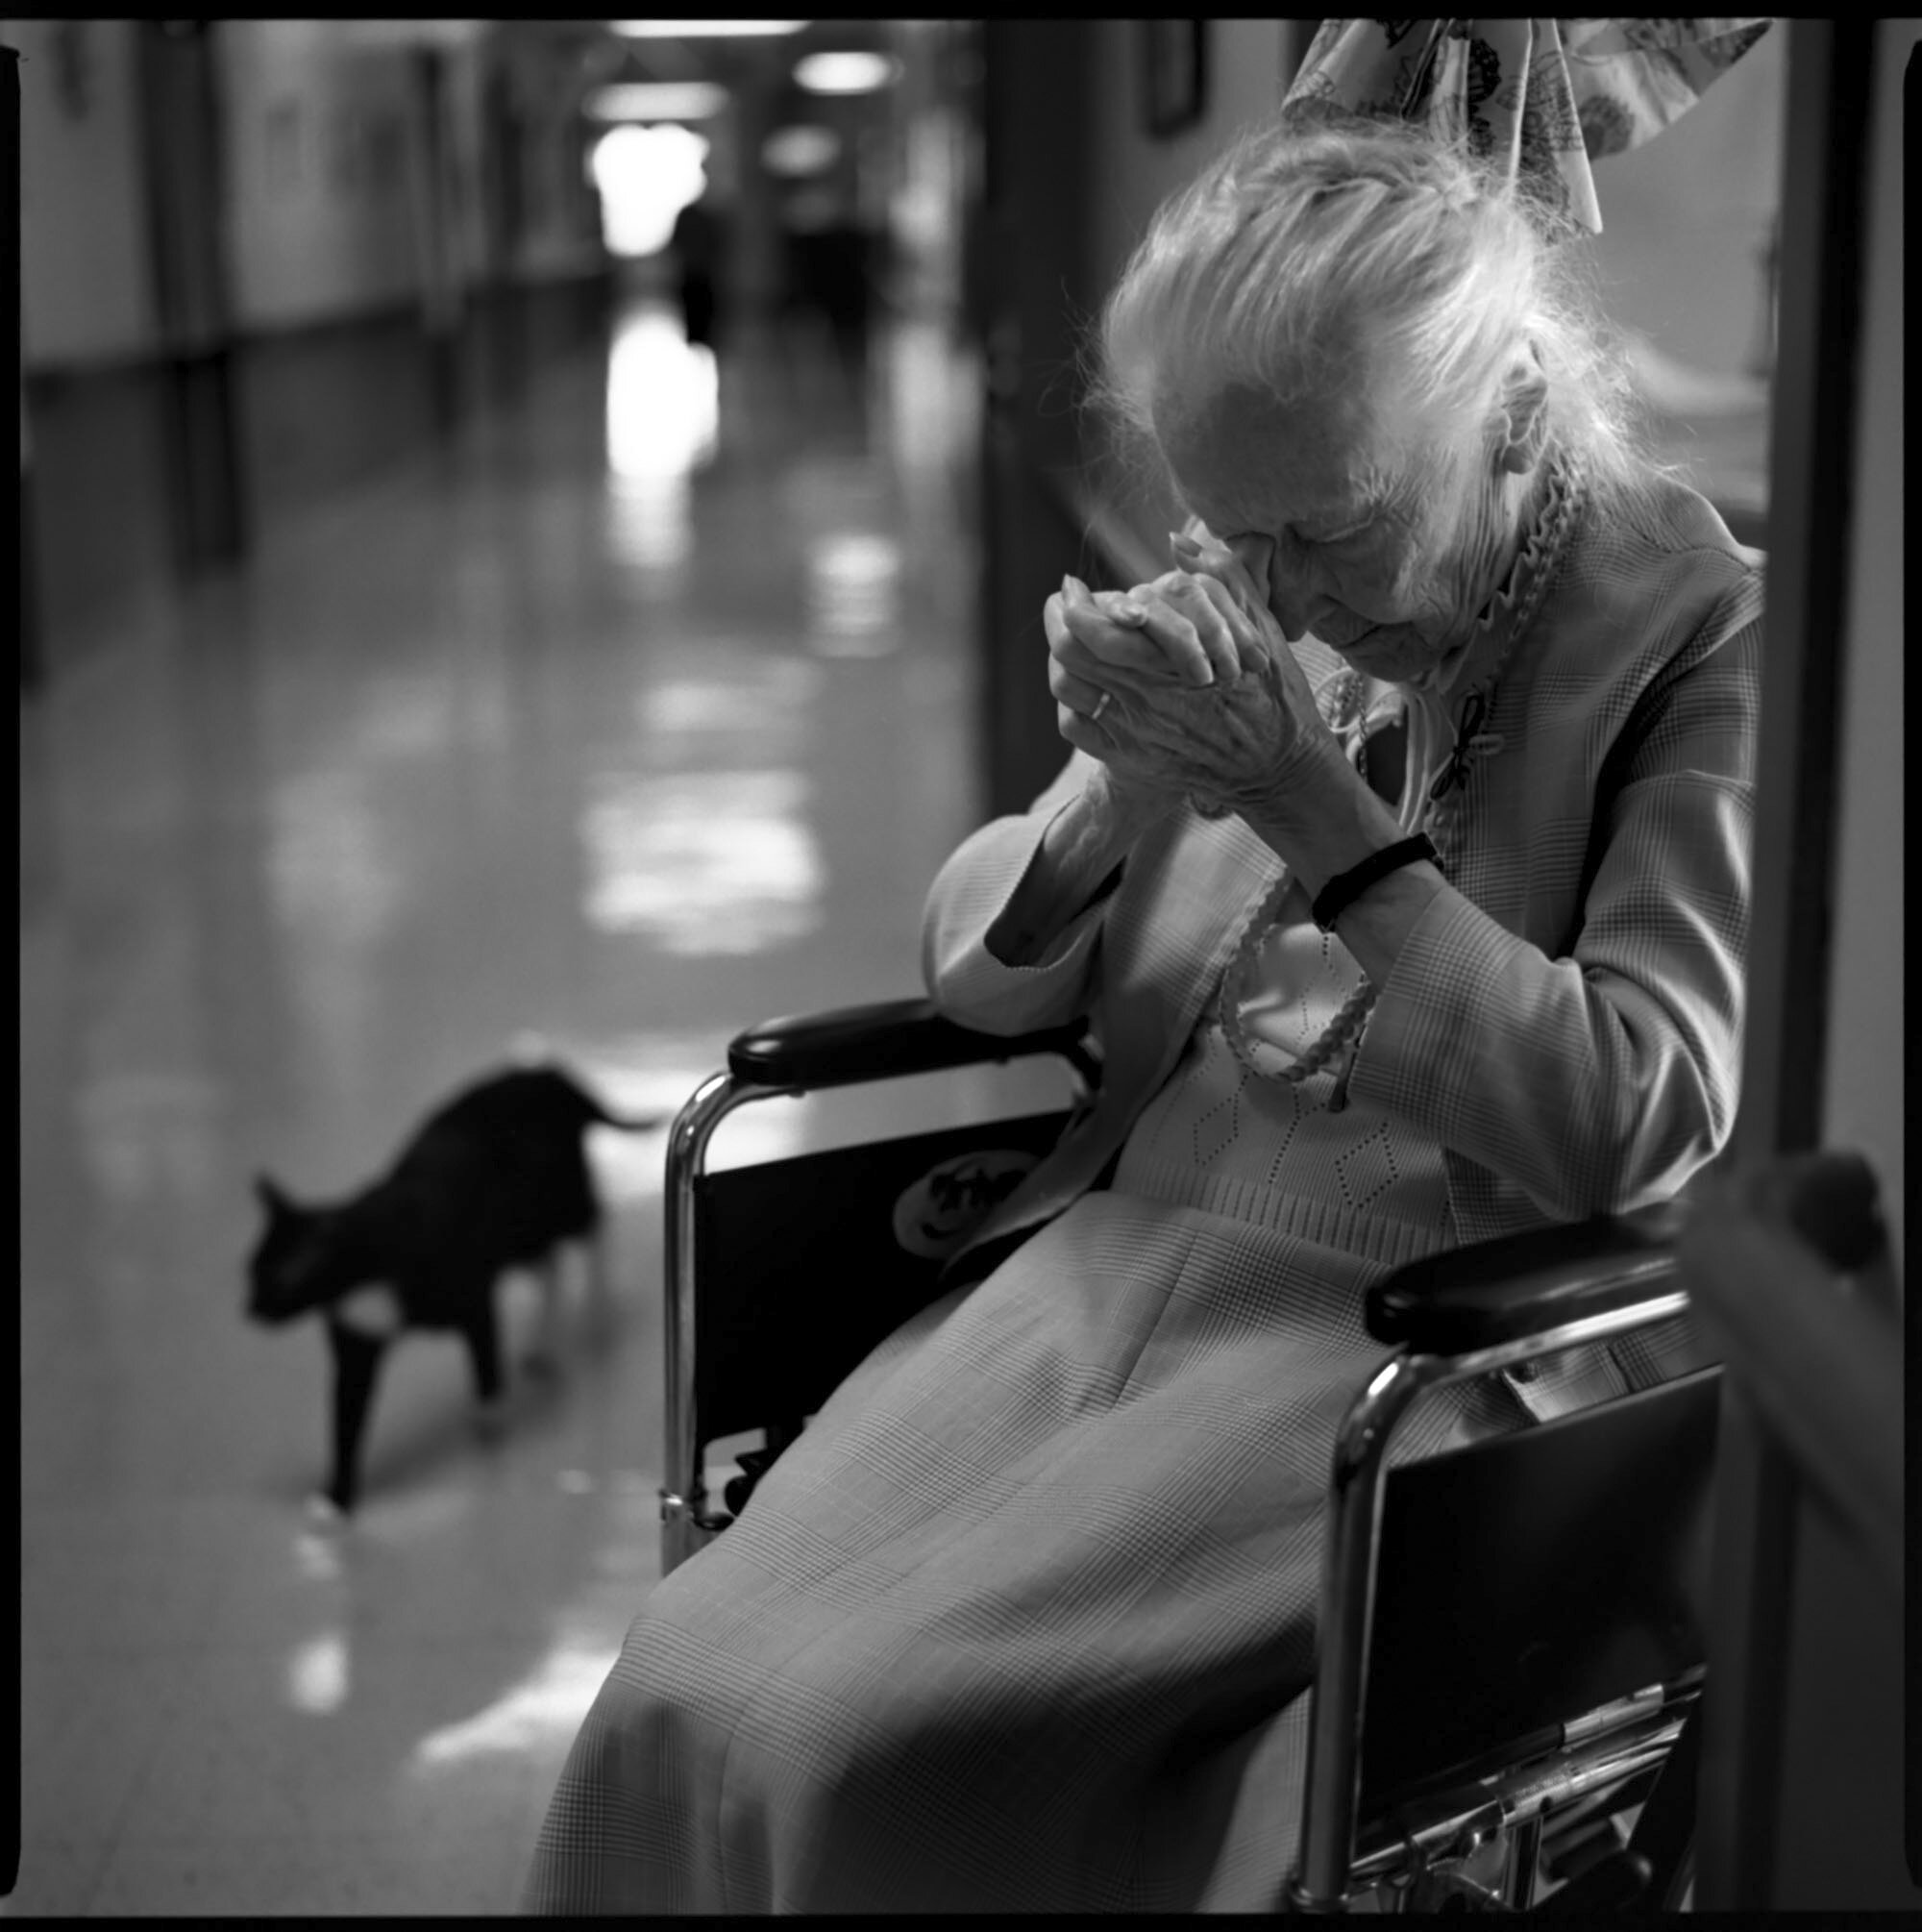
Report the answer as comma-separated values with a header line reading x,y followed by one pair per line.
x,y
482,1335
357,1359
600,1281
544,1357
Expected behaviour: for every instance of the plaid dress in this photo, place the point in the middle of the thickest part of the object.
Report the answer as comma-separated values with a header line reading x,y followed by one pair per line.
x,y
1025,1618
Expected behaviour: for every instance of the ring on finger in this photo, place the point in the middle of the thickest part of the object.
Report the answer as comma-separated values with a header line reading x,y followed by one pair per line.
x,y
1095,716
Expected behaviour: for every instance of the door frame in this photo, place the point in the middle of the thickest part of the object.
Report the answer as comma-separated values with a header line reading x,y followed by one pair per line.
x,y
1827,112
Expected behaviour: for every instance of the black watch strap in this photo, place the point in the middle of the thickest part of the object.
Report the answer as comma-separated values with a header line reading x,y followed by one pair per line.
x,y
1346,888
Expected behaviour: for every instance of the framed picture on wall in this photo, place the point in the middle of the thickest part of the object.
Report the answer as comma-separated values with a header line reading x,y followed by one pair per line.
x,y
1175,74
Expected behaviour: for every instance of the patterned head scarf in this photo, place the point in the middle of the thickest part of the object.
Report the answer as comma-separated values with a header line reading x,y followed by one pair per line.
x,y
1544,97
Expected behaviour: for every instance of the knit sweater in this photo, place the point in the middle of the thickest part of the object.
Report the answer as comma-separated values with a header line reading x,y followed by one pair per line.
x,y
1272,1151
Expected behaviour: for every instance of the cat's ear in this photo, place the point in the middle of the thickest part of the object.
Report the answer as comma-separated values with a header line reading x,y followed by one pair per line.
x,y
271,1197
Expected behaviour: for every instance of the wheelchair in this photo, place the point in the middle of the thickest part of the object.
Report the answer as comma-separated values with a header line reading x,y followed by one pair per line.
x,y
1510,1660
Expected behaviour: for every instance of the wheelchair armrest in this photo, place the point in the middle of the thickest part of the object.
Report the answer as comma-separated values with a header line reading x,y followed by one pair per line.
x,y
1496,1292
850,1044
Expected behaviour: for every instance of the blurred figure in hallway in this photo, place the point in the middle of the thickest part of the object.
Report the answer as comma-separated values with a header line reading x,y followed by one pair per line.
x,y
699,244
829,276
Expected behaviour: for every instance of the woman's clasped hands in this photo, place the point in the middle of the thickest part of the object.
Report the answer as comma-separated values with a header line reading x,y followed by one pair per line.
x,y
1186,687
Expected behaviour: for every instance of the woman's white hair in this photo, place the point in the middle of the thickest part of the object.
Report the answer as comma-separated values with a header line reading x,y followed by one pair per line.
x,y
1311,257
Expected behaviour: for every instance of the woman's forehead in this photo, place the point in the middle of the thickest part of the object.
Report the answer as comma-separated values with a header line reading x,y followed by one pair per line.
x,y
1280,467
1249,456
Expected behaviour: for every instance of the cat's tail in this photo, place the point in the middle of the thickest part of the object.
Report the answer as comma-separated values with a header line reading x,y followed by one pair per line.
x,y
534,1053
626,1123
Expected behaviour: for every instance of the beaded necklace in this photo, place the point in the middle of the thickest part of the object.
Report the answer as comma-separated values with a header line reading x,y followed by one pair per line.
x,y
1435,810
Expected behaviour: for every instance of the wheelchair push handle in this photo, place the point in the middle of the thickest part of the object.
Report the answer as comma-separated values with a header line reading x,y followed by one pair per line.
x,y
885,1040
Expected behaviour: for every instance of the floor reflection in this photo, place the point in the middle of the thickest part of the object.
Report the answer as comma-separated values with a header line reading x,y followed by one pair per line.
x,y
854,594
663,398
704,862
545,1708
663,424
317,1673
608,730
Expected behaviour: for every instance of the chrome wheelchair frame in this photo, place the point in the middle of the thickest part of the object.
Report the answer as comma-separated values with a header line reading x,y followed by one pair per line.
x,y
786,1060
1499,1305
1561,1288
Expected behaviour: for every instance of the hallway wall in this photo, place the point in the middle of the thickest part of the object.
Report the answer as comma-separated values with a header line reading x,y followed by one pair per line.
x,y
320,220
324,236
1248,66
1688,219
86,294
89,319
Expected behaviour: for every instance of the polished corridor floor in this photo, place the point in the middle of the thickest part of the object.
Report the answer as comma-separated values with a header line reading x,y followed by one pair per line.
x,y
641,711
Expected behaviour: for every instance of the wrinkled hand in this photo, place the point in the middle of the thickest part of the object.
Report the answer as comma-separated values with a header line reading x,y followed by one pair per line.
x,y
1278,603
1098,648
1203,696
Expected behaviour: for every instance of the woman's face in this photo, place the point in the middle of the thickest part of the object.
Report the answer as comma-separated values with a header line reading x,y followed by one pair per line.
x,y
1384,538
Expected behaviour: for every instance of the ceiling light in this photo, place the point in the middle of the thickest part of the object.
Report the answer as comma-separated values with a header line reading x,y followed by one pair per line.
x,y
704,30
658,101
846,73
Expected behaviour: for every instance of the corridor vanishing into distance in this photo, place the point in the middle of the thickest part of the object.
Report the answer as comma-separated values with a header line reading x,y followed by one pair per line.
x,y
641,710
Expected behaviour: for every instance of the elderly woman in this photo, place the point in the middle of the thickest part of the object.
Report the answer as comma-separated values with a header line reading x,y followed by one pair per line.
x,y
1401,862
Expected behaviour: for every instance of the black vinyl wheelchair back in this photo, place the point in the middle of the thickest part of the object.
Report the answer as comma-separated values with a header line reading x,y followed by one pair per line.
x,y
1510,1651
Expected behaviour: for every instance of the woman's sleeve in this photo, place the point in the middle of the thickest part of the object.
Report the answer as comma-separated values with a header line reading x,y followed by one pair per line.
x,y
1601,1082
964,978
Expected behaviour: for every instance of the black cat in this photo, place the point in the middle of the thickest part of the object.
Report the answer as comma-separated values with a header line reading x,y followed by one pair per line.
x,y
494,1179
